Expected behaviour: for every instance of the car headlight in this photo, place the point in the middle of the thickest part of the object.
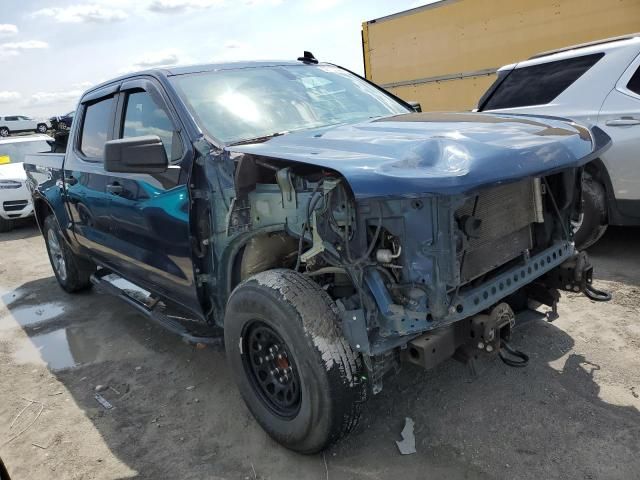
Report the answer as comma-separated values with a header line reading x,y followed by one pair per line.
x,y
9,184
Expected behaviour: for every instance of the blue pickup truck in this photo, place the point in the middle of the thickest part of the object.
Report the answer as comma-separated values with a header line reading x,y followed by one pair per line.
x,y
318,226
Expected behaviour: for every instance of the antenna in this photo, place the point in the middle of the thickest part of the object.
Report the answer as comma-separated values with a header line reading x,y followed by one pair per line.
x,y
308,58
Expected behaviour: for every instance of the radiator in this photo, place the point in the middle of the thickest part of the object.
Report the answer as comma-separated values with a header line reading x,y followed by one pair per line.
x,y
506,214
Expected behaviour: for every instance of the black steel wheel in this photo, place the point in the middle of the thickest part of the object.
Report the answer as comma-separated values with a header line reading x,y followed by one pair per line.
x,y
294,369
271,369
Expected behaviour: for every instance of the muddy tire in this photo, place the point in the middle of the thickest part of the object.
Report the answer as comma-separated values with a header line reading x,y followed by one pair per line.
x,y
5,225
71,271
296,372
593,223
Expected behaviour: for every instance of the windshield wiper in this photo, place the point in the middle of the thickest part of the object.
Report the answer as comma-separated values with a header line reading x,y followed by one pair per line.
x,y
263,138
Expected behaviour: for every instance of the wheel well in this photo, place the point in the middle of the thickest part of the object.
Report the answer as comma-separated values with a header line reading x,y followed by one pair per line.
x,y
42,210
263,252
598,171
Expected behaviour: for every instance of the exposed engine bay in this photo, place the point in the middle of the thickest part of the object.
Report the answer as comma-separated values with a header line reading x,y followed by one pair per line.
x,y
402,270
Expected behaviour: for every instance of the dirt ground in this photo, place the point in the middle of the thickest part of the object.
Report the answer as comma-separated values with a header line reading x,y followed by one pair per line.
x,y
573,413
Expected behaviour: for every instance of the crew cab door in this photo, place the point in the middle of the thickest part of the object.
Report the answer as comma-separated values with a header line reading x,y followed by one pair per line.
x,y
620,119
85,179
150,212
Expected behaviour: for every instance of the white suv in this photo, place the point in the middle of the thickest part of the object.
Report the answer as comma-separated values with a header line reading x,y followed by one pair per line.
x,y
15,198
599,84
20,123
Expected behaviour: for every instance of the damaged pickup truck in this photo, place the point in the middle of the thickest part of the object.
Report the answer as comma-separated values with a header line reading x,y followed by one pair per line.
x,y
322,226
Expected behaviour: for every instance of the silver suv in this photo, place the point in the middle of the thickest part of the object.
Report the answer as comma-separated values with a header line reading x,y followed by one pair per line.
x,y
599,84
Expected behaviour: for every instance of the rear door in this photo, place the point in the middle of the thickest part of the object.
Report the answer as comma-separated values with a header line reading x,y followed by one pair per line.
x,y
620,119
150,213
84,175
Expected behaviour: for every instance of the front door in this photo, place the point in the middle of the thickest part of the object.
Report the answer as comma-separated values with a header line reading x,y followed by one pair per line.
x,y
150,213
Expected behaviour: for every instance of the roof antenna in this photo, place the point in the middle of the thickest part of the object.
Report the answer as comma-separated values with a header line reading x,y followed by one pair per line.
x,y
308,58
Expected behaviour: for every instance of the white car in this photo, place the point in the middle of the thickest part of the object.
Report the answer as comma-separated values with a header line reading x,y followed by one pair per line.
x,y
598,84
19,123
15,198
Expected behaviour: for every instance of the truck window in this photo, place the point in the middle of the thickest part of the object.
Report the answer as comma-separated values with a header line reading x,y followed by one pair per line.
x,y
97,120
634,82
539,84
144,117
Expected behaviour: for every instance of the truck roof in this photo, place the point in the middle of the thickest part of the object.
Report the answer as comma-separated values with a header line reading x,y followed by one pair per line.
x,y
410,11
170,71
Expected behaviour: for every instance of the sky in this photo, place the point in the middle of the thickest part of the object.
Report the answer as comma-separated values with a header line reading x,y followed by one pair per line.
x,y
51,51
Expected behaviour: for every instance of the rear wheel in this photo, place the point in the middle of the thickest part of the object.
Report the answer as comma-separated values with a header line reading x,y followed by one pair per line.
x,y
41,128
4,132
295,371
72,272
592,223
5,225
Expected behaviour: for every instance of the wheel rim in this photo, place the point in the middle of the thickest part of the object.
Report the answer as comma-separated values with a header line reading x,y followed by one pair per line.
x,y
42,128
57,258
4,132
271,369
577,223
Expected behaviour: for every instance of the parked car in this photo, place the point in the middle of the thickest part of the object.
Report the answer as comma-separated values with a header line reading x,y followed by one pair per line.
x,y
62,123
596,83
15,199
329,230
19,123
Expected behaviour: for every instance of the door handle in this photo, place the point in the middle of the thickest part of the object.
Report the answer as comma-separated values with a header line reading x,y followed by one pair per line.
x,y
115,188
71,180
623,122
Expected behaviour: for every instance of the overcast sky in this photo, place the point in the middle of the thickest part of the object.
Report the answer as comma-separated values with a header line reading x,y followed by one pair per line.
x,y
51,51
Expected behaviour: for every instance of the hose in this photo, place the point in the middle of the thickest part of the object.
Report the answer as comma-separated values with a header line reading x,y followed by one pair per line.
x,y
524,358
596,295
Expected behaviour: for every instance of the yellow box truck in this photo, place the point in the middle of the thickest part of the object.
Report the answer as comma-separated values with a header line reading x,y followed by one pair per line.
x,y
444,54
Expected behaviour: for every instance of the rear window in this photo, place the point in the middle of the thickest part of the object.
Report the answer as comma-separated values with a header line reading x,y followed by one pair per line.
x,y
537,84
95,128
634,82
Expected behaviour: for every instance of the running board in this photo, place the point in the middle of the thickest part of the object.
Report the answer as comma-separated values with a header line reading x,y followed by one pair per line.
x,y
145,303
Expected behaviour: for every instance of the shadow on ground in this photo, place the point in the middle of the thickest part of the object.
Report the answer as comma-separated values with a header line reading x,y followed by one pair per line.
x,y
542,421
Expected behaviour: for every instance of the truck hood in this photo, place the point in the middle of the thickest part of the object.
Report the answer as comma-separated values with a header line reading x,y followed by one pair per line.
x,y
446,153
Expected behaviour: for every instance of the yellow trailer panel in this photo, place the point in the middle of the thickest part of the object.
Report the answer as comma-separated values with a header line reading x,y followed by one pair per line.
x,y
444,54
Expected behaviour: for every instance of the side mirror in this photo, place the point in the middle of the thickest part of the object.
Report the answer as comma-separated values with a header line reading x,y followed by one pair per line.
x,y
135,155
416,106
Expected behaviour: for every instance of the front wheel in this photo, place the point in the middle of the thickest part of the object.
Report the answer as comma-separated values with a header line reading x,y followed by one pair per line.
x,y
41,128
72,272
297,374
592,223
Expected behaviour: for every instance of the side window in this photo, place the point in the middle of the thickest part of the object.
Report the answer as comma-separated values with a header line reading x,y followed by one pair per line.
x,y
144,117
11,119
634,82
95,128
539,84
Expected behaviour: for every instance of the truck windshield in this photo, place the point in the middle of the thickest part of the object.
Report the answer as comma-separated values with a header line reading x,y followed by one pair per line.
x,y
246,103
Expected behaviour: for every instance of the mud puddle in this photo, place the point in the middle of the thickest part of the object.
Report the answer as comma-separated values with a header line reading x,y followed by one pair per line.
x,y
31,315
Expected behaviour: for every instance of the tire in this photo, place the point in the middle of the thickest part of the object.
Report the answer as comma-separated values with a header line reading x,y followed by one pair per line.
x,y
41,128
331,388
5,225
593,223
72,272
4,132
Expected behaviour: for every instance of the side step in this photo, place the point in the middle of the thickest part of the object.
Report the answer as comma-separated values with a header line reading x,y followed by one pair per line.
x,y
145,303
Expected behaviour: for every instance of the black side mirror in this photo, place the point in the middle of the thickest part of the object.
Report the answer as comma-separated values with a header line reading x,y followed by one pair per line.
x,y
135,155
416,106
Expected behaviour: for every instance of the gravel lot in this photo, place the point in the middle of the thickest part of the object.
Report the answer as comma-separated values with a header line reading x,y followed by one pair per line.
x,y
572,413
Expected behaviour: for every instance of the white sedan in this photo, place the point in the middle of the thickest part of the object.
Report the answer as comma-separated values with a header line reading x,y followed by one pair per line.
x,y
19,123
15,198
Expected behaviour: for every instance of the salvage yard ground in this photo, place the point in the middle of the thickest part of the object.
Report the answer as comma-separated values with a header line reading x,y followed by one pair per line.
x,y
573,413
